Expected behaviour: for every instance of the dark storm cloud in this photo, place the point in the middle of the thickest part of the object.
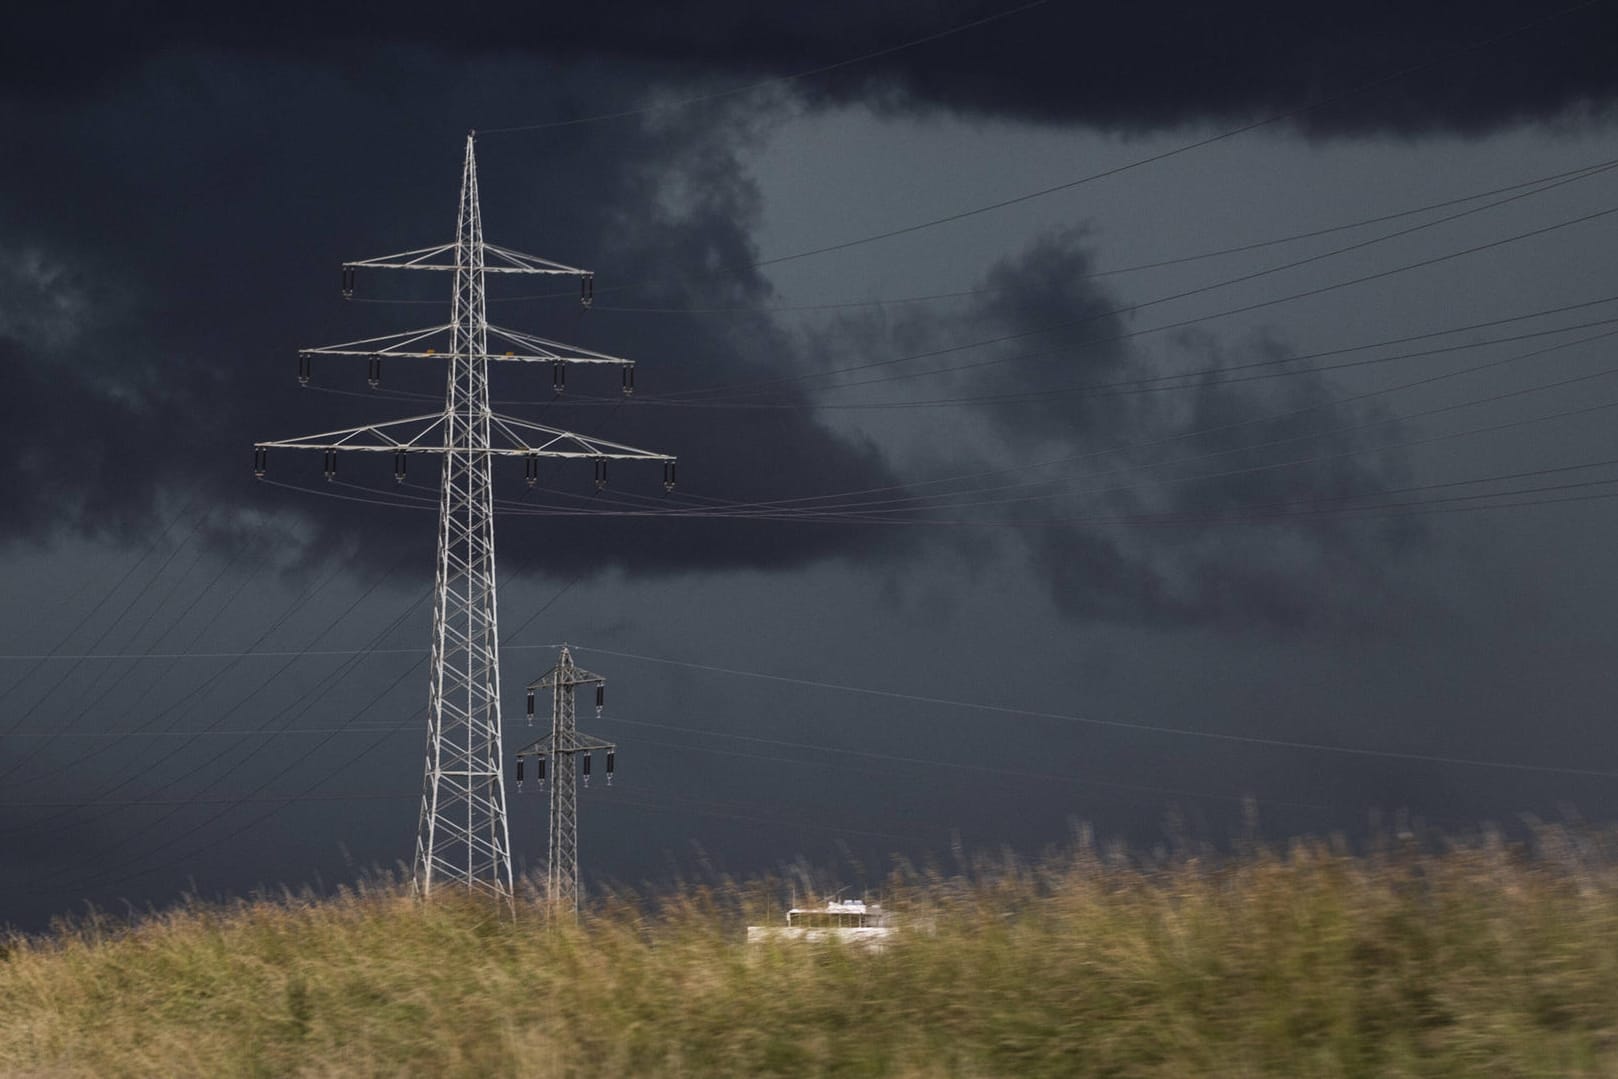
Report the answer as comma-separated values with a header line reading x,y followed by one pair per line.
x,y
1170,508
212,237
1128,66
66,444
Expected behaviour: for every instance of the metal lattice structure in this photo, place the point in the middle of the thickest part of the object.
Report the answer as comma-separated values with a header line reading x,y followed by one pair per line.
x,y
463,837
561,750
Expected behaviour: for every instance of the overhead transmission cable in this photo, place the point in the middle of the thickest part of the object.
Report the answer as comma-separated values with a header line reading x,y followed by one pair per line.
x,y
94,691
1448,55
1116,271
856,519
386,732
1342,505
197,691
820,502
769,510
1143,520
227,804
886,758
1180,379
759,385
308,696
1176,260
1136,466
321,687
926,762
25,759
1276,118
106,594
1124,725
340,768
1071,458
1227,375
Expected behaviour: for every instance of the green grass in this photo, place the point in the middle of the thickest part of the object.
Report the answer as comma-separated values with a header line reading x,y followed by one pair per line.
x,y
1480,960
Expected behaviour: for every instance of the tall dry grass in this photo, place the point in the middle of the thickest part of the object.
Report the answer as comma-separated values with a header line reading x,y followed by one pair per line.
x,y
1482,959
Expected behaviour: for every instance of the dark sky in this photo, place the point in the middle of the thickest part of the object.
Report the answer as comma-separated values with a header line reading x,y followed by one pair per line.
x,y
1252,438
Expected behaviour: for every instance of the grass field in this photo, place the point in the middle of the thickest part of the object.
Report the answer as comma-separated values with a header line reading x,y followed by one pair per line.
x,y
1482,959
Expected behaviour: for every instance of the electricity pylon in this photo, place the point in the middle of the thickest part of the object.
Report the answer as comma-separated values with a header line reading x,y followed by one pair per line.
x,y
561,749
463,837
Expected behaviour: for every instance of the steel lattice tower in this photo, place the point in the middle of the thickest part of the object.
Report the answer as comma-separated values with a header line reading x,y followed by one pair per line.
x,y
463,802
562,749
462,836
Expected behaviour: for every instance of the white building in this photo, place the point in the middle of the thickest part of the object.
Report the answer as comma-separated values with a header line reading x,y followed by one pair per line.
x,y
852,922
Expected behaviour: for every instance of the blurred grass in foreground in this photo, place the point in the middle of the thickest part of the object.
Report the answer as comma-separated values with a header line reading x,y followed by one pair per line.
x,y
1485,958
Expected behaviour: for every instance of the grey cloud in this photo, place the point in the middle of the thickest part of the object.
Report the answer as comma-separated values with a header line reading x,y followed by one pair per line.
x,y
1138,526
220,249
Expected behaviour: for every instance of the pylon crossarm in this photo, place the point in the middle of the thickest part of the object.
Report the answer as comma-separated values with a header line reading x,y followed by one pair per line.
x,y
435,342
424,434
391,344
411,434
536,438
569,675
442,257
571,742
518,262
546,349
578,677
418,259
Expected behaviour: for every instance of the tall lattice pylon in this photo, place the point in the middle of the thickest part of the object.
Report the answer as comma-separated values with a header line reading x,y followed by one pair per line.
x,y
561,751
462,838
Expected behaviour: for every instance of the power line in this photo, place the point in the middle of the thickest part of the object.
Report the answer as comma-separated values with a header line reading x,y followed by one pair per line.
x,y
197,691
108,593
1184,148
1125,725
1193,378
1143,520
24,760
325,684
757,385
1185,378
907,504
817,502
302,653
674,804
227,804
1180,260
141,592
816,825
1177,260
1451,54
124,803
929,762
132,774
228,732
1011,773
818,507
226,566
742,511
341,767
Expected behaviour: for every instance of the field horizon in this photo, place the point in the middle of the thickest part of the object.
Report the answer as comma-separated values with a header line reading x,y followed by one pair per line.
x,y
1305,959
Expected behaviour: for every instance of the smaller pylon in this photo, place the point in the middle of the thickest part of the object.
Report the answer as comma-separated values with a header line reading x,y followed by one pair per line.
x,y
559,754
